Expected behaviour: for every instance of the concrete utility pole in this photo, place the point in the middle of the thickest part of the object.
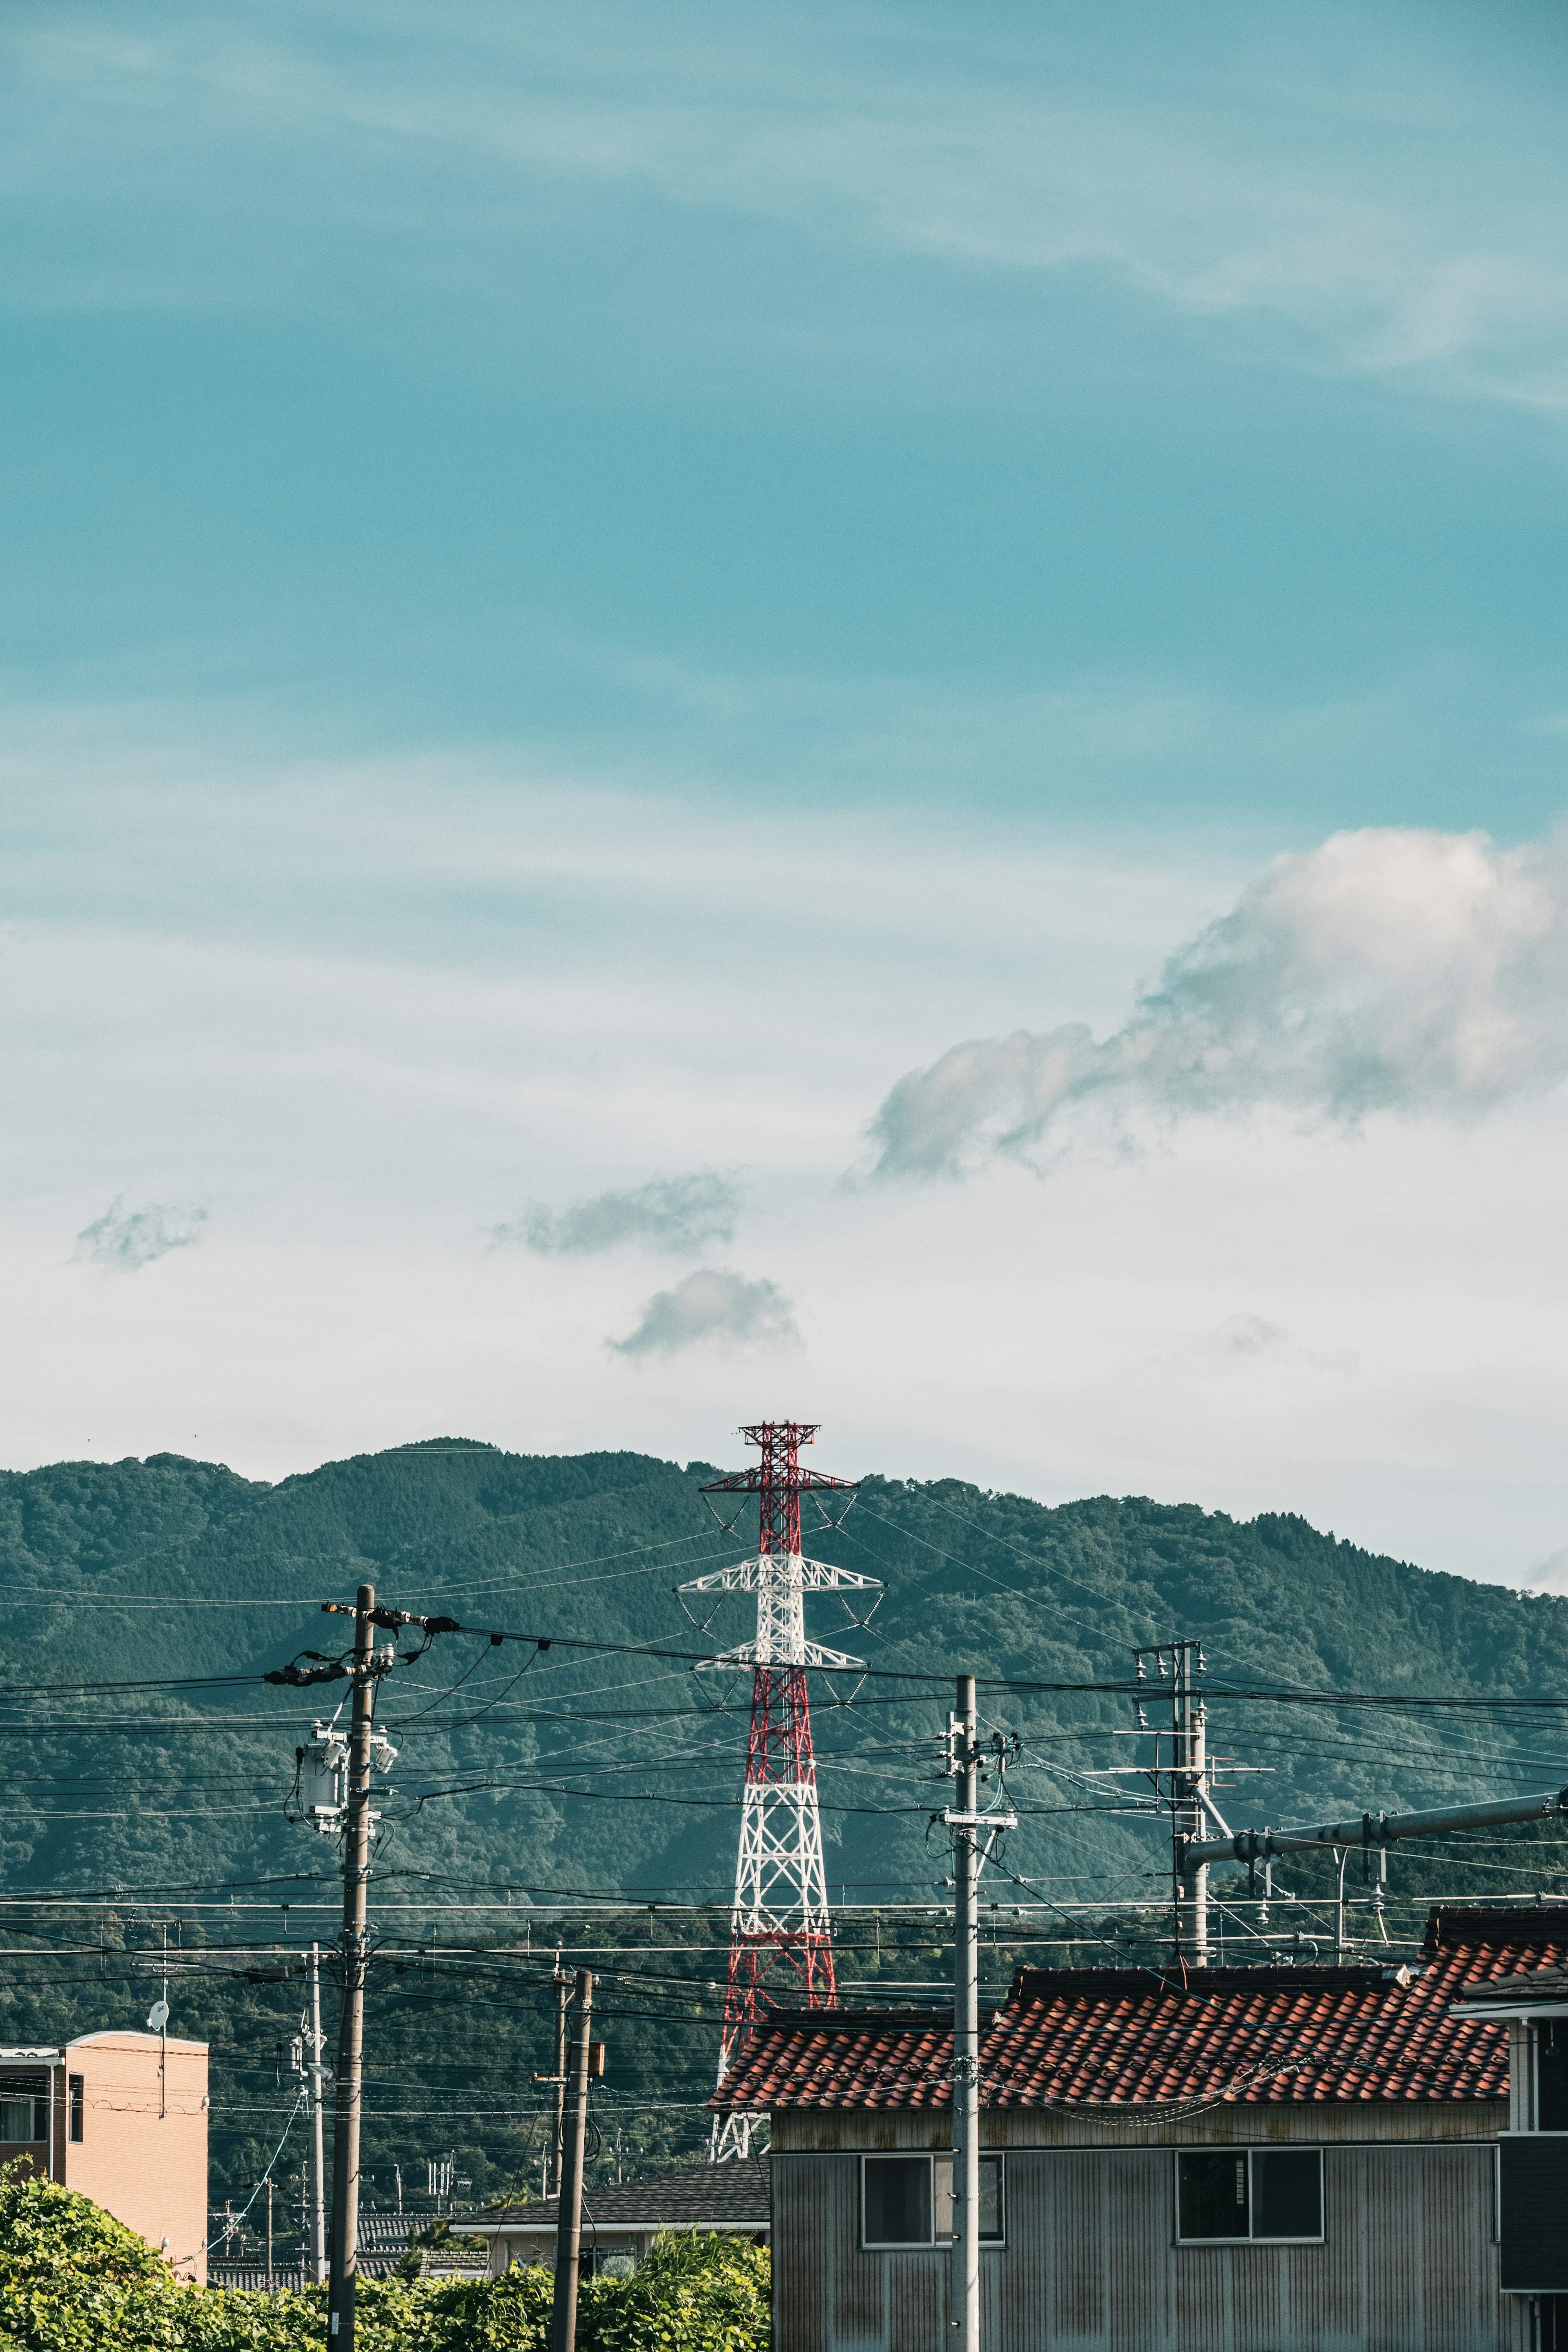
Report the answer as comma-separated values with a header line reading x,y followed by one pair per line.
x,y
1186,1787
351,2033
317,2154
964,2330
569,2203
561,1983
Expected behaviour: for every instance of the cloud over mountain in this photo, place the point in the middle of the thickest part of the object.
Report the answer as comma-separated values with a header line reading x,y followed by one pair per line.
x,y
1405,971
127,1239
672,1212
714,1302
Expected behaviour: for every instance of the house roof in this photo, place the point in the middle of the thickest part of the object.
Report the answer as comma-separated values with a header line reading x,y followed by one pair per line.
x,y
1093,2039
1513,1996
731,2196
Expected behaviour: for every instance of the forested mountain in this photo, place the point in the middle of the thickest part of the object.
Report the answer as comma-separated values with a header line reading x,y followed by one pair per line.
x,y
151,1767
543,1776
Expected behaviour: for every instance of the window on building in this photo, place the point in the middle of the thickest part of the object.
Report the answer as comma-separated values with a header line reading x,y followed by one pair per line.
x,y
17,2119
1249,2196
78,2106
896,2208
1551,2076
907,2200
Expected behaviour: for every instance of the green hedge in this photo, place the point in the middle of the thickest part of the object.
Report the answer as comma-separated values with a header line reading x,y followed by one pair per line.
x,y
73,2280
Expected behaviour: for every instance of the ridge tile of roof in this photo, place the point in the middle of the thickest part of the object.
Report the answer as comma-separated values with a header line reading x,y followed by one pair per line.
x,y
1120,2039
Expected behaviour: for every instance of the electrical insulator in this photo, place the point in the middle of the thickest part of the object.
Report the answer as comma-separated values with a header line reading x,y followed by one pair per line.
x,y
383,1754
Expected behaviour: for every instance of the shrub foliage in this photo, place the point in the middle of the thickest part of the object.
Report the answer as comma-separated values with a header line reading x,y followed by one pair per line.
x,y
74,2280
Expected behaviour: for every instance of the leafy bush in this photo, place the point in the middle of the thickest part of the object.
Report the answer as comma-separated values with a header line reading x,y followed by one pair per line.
x,y
74,2280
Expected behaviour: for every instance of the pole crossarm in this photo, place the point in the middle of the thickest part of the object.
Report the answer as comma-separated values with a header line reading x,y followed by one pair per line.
x,y
1369,1829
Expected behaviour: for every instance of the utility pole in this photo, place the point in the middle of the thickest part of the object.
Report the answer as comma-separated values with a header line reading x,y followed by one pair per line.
x,y
561,1984
317,2153
356,1954
270,2234
962,1725
1186,1790
569,2204
964,1758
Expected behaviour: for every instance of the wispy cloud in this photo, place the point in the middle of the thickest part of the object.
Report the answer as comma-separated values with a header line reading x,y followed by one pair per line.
x,y
1244,1335
127,1239
677,1213
1386,249
1410,971
711,1304
1551,1576
1243,1339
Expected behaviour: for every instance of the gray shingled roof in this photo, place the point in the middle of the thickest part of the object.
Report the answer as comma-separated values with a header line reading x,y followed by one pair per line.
x,y
1525,1985
738,2194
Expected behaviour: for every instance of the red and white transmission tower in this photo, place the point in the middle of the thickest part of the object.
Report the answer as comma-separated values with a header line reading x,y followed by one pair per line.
x,y
780,1913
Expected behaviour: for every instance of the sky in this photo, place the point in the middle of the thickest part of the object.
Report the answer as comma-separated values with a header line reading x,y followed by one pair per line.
x,y
857,714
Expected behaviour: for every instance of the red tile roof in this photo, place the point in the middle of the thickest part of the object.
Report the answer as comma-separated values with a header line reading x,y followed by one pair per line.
x,y
1136,2038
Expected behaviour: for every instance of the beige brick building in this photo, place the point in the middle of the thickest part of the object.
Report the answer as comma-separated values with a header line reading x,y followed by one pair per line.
x,y
122,2118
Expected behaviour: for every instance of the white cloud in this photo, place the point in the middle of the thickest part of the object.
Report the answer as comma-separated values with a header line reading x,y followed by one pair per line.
x,y
712,1303
677,1213
1410,971
127,1239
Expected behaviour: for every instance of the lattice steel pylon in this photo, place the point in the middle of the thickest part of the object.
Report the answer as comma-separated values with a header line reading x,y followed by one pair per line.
x,y
780,1916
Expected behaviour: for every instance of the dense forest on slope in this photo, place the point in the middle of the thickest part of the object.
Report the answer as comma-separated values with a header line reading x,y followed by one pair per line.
x,y
531,1782
544,1776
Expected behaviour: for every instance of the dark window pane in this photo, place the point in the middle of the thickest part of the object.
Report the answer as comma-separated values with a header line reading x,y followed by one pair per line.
x,y
1287,2192
78,2104
1210,2195
898,2201
1551,2077
991,2197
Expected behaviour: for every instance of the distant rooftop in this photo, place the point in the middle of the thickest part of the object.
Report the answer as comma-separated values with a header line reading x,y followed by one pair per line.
x,y
728,2195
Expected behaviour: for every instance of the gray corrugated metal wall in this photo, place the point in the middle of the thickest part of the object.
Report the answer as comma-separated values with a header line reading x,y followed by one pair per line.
x,y
1409,2264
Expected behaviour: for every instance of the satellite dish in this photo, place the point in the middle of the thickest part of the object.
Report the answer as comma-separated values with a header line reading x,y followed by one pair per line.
x,y
158,2017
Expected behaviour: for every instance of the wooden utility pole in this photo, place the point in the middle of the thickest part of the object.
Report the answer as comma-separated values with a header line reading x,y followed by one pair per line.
x,y
569,2203
356,1957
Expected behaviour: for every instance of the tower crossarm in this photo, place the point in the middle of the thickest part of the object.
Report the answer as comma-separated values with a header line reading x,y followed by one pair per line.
x,y
816,1655
788,1572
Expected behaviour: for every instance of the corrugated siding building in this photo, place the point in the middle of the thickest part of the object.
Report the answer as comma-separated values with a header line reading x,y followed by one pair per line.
x,y
1247,2160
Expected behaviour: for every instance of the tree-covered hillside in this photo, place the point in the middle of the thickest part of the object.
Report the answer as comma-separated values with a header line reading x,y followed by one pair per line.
x,y
151,1767
541,1776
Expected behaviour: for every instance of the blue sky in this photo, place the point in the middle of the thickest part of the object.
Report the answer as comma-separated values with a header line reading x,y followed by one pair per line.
x,y
588,595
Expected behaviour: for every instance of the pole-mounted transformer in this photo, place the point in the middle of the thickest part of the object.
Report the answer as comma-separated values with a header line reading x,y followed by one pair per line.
x,y
324,1764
